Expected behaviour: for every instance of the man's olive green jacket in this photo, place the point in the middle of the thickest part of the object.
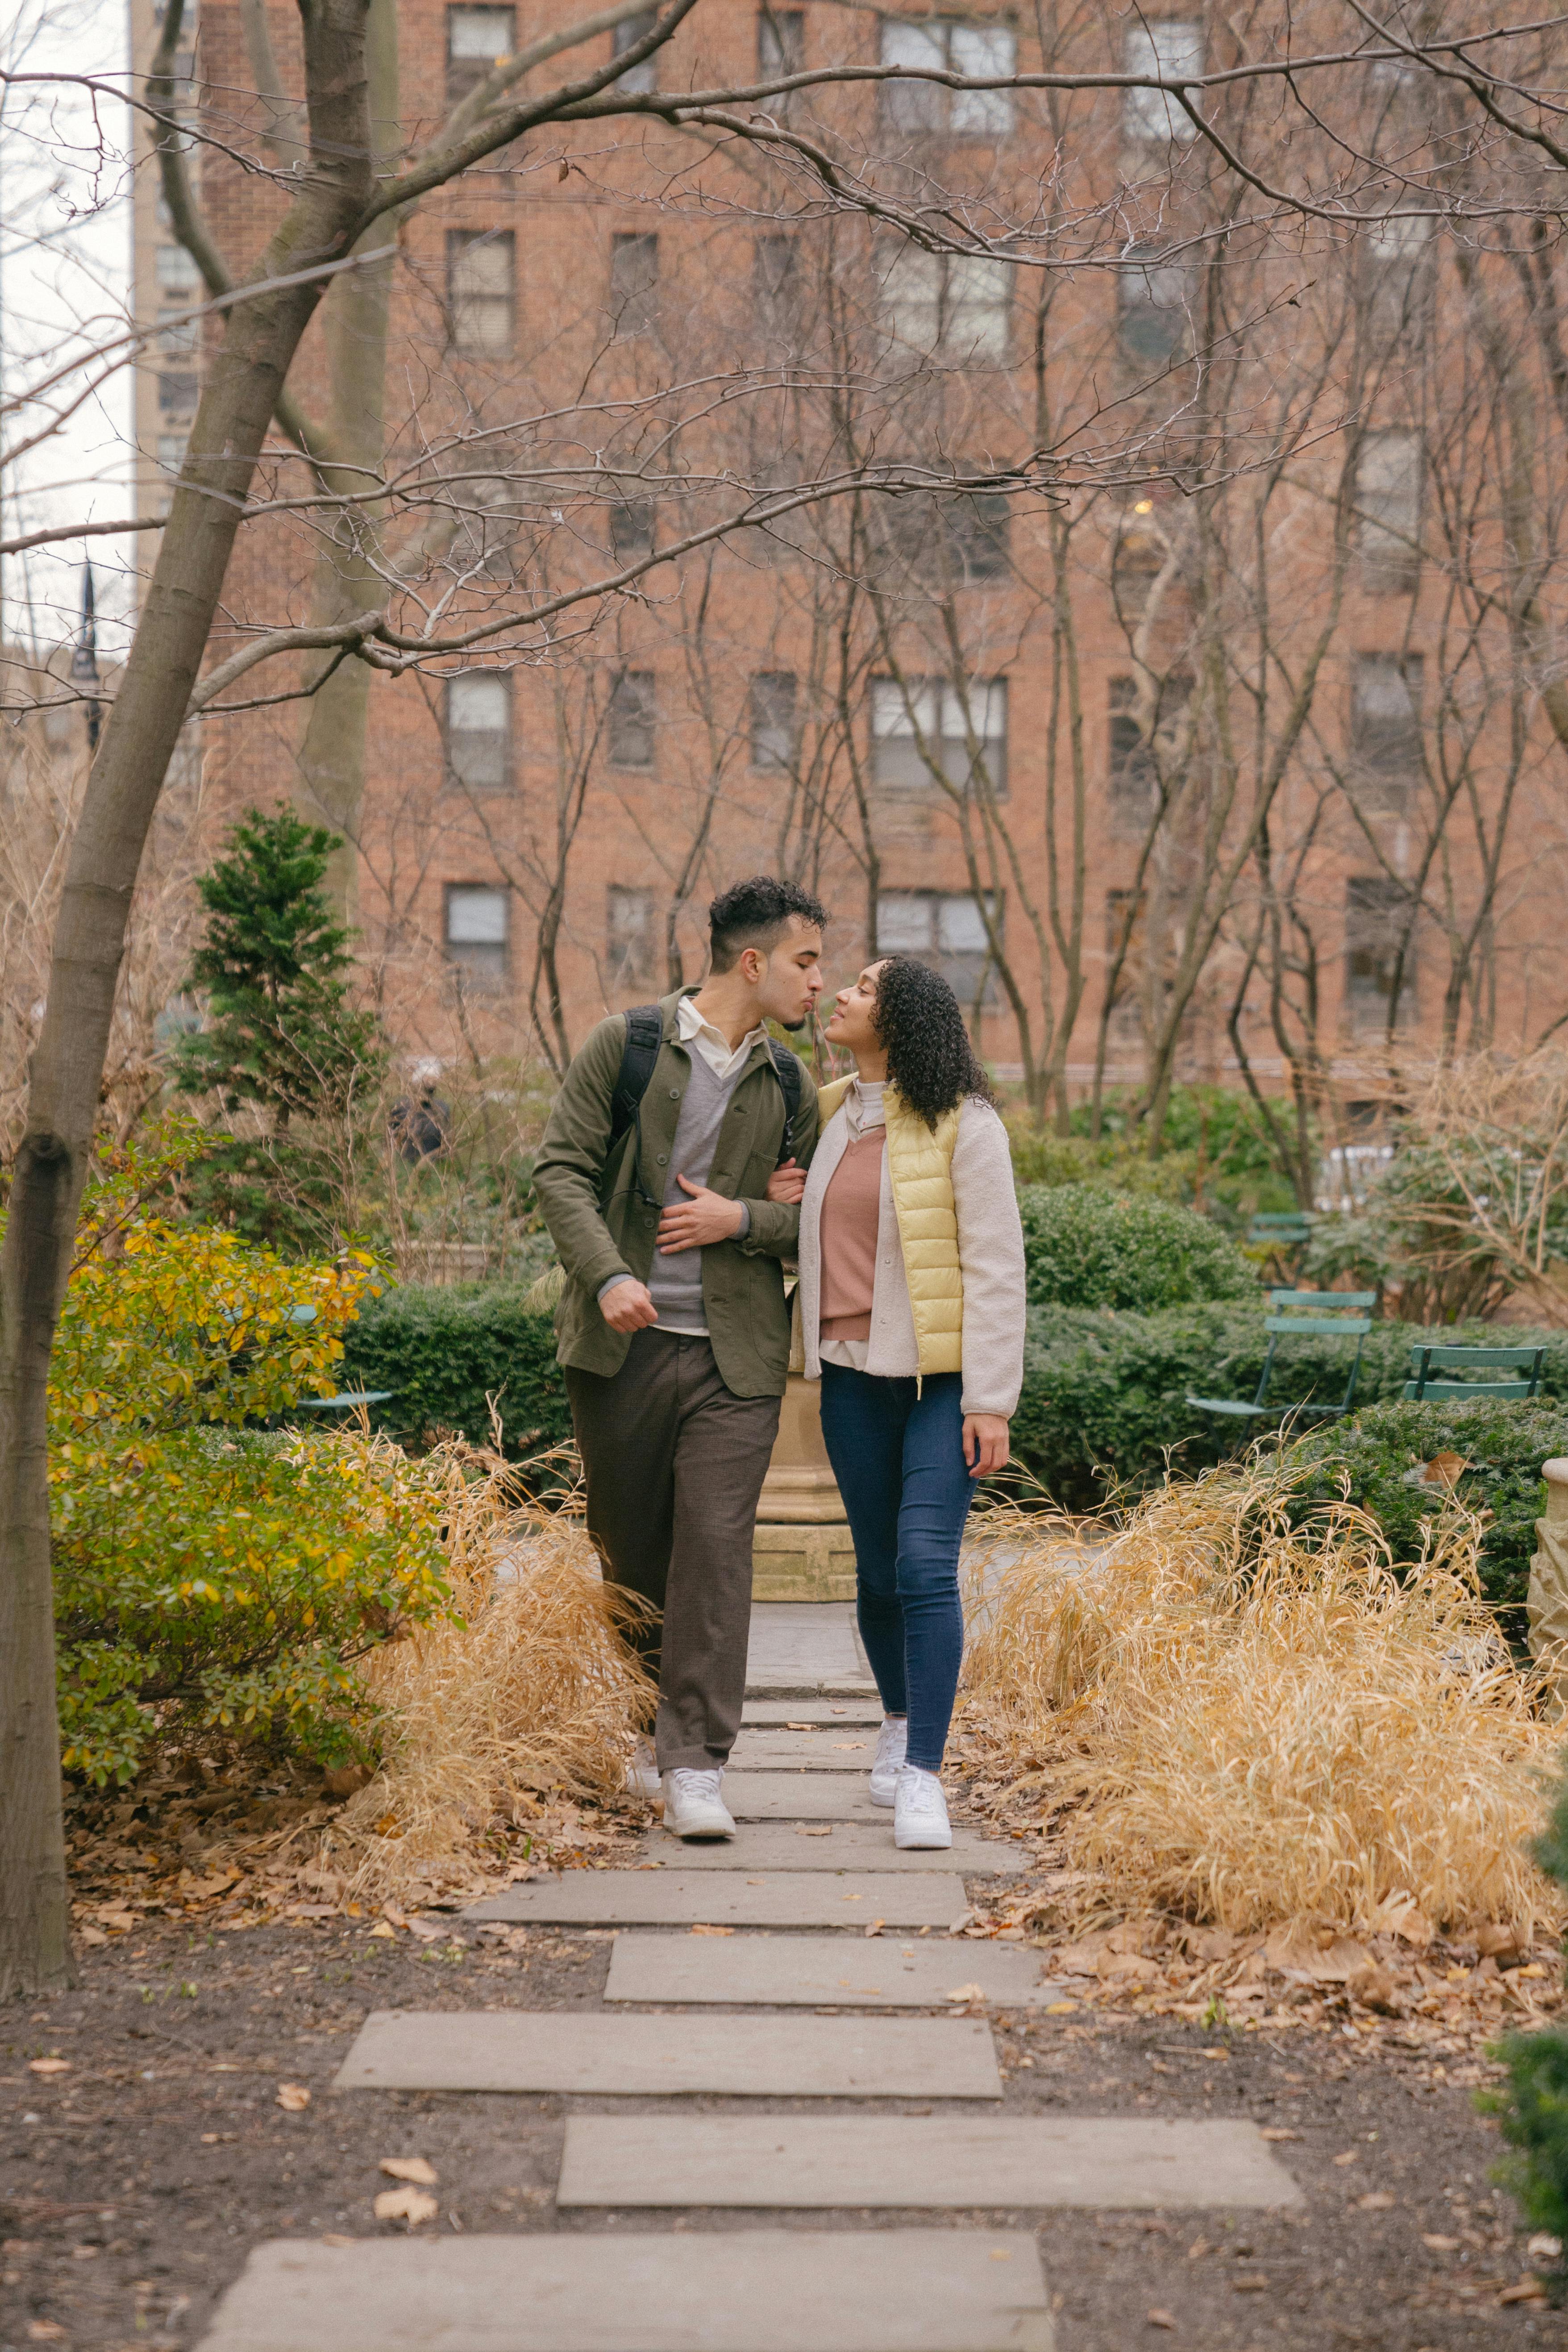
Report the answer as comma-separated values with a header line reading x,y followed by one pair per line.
x,y
603,1207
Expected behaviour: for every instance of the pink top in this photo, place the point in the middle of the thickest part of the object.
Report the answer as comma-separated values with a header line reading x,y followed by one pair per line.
x,y
849,1210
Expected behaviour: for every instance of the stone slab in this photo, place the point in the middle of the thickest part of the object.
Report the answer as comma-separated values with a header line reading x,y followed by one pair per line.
x,y
803,1796
828,1713
730,2290
679,1898
832,1845
881,1972
801,1562
809,1648
839,1747
609,2056
805,2161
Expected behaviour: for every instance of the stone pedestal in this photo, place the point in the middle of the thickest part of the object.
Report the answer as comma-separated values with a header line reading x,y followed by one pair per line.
x,y
1548,1599
804,1550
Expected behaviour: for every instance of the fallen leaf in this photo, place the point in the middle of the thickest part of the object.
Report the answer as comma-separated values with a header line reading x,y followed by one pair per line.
x,y
704,1928
381,1928
875,1928
813,1829
967,1992
294,2097
336,2237
410,2205
48,2066
1158,2319
1377,2201
1350,2156
1251,2283
1061,2009
1199,2247
1440,2245
90,1936
1278,2131
1543,2247
45,2331
1528,2290
800,1726
418,2169
1444,1469
1496,1942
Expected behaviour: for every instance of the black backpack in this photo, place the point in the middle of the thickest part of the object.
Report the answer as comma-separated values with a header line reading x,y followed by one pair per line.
x,y
645,1035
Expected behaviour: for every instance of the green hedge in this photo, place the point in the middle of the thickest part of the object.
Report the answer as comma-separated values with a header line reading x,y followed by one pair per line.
x,y
1104,1394
1085,1246
445,1352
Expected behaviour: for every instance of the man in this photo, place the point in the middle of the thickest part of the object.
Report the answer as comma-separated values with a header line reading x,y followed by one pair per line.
x,y
673,1327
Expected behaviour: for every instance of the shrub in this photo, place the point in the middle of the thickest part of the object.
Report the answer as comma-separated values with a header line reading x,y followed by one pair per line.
x,y
1532,2104
1040,1157
445,1353
1376,1459
1087,1248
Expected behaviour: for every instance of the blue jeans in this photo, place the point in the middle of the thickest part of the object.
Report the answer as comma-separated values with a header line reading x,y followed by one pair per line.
x,y
899,1461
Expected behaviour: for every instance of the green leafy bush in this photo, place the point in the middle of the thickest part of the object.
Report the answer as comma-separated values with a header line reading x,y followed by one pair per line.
x,y
1084,1246
1532,2104
1042,1157
1104,1394
1377,1455
445,1352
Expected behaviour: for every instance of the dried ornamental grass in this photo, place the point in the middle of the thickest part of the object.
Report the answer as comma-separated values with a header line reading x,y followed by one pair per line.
x,y
1252,1725
529,1689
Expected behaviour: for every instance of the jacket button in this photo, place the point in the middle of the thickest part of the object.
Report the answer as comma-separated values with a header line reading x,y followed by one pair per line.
x,y
675,1094
662,1157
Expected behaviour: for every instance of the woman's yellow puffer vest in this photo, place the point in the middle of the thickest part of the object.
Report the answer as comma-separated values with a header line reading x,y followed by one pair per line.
x,y
920,1164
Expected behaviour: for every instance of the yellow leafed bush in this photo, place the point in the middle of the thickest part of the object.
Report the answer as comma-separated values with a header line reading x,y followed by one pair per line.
x,y
1249,1722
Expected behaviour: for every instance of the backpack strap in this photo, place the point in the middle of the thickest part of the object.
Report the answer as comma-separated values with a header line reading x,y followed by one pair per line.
x,y
787,1070
645,1035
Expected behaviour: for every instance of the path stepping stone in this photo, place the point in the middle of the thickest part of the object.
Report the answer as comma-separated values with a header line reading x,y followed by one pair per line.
x,y
903,2160
835,1845
727,2290
799,1796
806,1649
843,1749
827,1713
635,2057
878,1973
679,1898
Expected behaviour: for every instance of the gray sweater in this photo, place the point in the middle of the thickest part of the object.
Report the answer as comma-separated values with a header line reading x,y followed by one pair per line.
x,y
675,1283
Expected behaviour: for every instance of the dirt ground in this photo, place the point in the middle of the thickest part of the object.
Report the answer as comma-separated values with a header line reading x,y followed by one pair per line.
x,y
134,2177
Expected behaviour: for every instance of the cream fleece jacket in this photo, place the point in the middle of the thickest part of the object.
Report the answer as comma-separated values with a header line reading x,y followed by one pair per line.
x,y
990,1258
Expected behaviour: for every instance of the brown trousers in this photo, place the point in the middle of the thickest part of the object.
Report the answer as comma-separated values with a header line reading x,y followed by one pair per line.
x,y
674,1464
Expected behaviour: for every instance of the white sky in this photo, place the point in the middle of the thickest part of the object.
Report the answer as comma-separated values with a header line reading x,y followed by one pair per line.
x,y
65,281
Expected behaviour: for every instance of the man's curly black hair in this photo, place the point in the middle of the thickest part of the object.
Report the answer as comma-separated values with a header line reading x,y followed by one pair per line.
x,y
920,1022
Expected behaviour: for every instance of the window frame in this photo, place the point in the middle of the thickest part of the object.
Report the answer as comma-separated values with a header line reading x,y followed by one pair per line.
x,y
470,970
916,108
913,263
505,735
1391,557
628,321
639,79
464,75
1370,900
1151,117
970,964
889,694
633,686
461,303
626,967
779,721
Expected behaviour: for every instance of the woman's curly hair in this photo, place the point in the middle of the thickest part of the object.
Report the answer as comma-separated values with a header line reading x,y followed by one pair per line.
x,y
930,1058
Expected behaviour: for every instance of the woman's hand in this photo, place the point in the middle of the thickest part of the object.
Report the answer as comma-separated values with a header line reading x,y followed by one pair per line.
x,y
787,1184
984,1444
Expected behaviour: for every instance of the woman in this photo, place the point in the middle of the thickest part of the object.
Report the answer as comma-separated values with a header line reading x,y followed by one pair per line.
x,y
911,1307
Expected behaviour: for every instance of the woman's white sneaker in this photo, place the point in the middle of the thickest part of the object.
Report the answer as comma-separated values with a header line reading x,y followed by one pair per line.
x,y
919,1811
642,1772
891,1741
693,1806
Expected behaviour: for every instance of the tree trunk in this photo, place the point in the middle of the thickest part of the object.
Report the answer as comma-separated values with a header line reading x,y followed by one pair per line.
x,y
347,580
236,407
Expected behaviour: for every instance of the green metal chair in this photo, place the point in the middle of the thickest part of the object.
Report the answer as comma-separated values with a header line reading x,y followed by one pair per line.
x,y
346,1399
1340,1313
1279,1229
1438,1373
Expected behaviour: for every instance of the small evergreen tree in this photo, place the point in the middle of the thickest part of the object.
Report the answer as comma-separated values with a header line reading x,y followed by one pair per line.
x,y
282,1031
281,1039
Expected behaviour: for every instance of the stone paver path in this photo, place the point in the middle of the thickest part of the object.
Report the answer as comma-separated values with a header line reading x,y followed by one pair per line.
x,y
698,2010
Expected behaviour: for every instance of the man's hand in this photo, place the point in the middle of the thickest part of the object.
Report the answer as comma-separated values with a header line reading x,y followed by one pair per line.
x,y
984,1443
692,1225
626,1306
787,1184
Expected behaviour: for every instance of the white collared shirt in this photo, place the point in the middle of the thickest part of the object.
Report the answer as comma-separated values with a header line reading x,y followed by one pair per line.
x,y
711,1043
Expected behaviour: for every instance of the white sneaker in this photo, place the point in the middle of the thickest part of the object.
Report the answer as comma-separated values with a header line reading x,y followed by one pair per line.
x,y
693,1806
919,1811
891,1741
642,1772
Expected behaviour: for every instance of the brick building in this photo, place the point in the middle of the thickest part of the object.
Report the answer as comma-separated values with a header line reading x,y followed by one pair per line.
x,y
1215,738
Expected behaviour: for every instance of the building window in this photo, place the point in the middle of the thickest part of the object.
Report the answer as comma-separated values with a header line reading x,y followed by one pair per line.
x,y
954,305
1388,509
772,721
1151,315
1386,723
1377,912
476,40
478,919
950,538
176,272
1174,49
177,394
781,42
631,528
478,731
979,52
172,449
632,719
775,286
634,284
945,928
628,937
1142,723
1398,256
481,289
922,724
627,35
